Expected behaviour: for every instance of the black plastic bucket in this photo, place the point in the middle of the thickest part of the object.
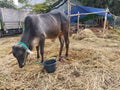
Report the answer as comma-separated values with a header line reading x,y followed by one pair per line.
x,y
50,65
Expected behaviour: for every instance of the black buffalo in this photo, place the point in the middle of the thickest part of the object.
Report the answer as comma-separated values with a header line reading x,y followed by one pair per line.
x,y
40,27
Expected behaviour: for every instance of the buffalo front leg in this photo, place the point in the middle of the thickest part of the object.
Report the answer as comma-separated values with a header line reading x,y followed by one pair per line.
x,y
67,44
42,43
38,54
61,39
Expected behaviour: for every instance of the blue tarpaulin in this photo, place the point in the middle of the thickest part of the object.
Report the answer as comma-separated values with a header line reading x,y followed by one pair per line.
x,y
86,9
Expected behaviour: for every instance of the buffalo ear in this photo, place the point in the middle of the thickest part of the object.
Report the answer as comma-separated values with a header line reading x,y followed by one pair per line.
x,y
13,47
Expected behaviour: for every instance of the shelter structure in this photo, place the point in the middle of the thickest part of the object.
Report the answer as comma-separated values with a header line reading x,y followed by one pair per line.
x,y
78,13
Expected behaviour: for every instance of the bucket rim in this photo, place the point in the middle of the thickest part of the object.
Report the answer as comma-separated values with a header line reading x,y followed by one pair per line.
x,y
44,63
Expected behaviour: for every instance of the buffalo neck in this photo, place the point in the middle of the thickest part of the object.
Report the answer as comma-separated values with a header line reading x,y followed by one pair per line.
x,y
27,39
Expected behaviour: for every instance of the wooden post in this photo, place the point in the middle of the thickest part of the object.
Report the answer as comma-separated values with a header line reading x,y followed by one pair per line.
x,y
78,22
114,21
69,12
63,11
105,21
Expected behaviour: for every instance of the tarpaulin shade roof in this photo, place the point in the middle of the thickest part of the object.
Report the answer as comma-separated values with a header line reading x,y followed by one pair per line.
x,y
86,9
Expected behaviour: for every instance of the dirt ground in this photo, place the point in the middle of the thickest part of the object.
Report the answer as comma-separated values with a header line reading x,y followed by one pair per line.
x,y
93,64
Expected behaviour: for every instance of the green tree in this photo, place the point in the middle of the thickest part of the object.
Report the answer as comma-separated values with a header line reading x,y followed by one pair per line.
x,y
111,4
25,4
50,2
47,6
23,1
7,4
40,7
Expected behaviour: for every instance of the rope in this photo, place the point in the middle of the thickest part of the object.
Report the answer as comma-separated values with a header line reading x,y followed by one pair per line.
x,y
23,44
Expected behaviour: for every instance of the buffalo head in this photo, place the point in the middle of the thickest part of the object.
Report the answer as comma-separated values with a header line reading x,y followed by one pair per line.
x,y
21,54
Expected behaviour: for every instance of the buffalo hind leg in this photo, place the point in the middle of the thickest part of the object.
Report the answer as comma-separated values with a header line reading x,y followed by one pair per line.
x,y
61,39
42,42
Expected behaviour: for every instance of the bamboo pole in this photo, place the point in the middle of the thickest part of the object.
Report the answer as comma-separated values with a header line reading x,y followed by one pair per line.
x,y
114,22
63,10
87,13
105,21
73,4
78,22
69,12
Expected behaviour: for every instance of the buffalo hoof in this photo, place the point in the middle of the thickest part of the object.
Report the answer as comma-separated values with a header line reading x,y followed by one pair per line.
x,y
42,61
61,59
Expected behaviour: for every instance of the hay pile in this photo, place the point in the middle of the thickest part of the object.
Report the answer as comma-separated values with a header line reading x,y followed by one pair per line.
x,y
86,33
93,64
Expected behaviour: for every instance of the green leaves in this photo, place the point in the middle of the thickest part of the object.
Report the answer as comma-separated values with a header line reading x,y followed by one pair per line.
x,y
7,4
40,7
113,5
46,7
23,1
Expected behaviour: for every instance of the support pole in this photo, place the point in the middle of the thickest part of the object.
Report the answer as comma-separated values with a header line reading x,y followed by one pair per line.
x,y
69,12
78,22
114,22
63,11
105,21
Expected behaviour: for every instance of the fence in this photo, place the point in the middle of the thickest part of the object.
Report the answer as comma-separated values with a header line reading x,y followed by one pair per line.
x,y
116,22
79,14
